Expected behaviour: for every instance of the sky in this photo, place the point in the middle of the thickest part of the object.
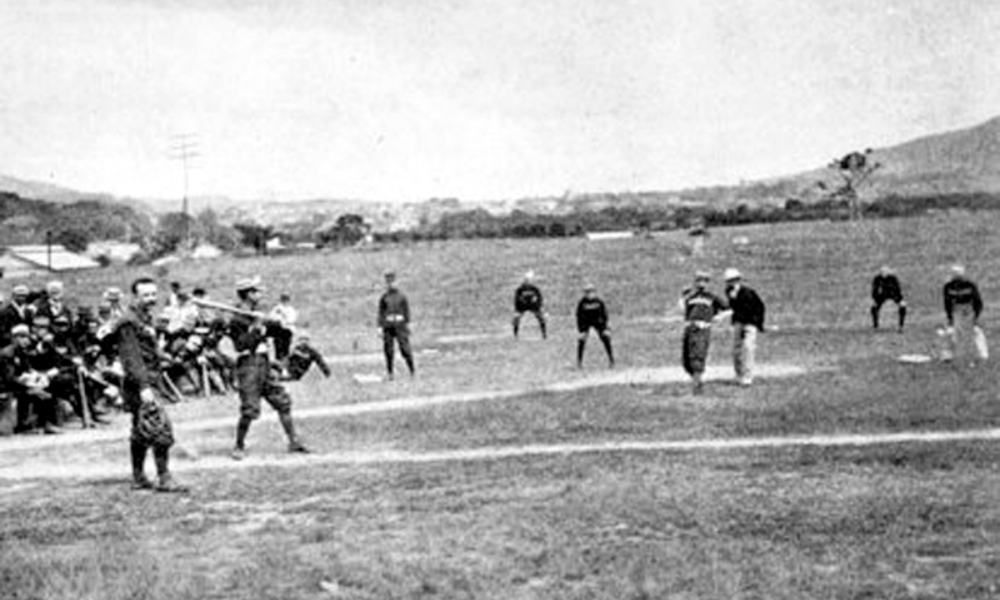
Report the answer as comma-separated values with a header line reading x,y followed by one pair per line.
x,y
405,100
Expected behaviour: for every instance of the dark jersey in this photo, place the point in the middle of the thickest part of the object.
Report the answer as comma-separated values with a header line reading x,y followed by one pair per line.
x,y
591,312
393,309
748,308
886,287
527,297
960,291
301,358
140,354
701,305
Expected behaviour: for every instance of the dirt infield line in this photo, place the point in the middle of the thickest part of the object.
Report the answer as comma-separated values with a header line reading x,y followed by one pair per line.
x,y
215,462
633,376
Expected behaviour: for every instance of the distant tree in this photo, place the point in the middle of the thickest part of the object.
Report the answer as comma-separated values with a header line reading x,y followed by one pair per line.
x,y
172,232
255,235
210,230
855,168
74,240
347,231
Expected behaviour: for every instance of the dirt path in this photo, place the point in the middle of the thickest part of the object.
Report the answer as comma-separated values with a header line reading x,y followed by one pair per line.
x,y
633,376
94,470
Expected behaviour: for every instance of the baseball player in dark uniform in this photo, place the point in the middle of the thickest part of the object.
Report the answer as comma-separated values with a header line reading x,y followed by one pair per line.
x,y
528,298
591,313
700,308
962,306
142,388
885,288
256,377
394,321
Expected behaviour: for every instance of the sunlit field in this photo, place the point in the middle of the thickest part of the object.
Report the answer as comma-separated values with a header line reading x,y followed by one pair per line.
x,y
498,471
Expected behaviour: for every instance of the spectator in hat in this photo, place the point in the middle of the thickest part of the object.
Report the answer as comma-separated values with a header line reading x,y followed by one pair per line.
x,y
18,311
528,298
394,321
36,407
886,288
700,307
256,377
962,306
53,304
747,319
113,301
591,313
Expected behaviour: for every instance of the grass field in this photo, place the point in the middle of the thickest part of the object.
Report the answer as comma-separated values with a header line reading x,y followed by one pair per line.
x,y
904,520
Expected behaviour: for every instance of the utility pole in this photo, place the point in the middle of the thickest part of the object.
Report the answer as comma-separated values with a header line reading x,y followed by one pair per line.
x,y
184,147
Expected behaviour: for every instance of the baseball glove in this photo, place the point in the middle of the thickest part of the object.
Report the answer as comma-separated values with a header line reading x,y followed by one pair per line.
x,y
153,427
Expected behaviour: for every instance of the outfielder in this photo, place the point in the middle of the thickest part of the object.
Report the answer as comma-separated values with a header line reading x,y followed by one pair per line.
x,y
885,288
962,307
592,313
394,321
528,298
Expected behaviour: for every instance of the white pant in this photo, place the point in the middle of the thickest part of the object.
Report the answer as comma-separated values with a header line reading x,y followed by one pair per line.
x,y
967,339
744,349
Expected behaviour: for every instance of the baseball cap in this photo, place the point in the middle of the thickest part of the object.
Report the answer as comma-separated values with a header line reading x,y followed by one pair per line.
x,y
731,274
20,329
958,270
248,283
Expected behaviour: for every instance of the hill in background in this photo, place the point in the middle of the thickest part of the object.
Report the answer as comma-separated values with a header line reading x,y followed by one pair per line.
x,y
956,162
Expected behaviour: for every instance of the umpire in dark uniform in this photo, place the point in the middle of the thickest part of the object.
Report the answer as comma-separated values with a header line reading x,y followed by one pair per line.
x,y
256,377
885,288
394,321
591,313
142,388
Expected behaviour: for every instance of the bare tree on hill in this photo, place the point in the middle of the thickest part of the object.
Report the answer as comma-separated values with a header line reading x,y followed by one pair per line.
x,y
855,168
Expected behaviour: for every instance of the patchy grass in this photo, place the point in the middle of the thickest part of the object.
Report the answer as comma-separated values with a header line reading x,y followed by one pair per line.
x,y
901,521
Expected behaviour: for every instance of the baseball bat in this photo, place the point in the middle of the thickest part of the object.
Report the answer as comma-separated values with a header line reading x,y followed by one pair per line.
x,y
84,402
227,308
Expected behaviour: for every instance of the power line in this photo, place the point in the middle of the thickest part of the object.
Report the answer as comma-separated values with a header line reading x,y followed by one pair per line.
x,y
184,147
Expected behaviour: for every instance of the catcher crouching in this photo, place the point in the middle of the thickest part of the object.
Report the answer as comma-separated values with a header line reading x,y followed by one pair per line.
x,y
142,389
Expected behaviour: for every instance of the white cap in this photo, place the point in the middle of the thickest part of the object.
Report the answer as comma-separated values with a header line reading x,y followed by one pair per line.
x,y
958,270
731,273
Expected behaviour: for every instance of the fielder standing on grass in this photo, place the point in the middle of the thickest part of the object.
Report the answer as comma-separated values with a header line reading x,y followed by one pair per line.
x,y
700,308
142,389
748,320
962,307
885,288
592,313
528,298
394,321
256,377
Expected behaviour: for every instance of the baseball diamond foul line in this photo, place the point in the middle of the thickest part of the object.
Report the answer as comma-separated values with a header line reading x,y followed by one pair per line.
x,y
99,470
634,376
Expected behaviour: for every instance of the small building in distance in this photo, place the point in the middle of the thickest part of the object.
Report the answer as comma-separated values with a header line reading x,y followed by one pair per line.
x,y
27,260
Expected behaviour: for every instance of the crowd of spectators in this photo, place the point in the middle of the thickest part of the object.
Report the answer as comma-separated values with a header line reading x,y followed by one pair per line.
x,y
58,363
